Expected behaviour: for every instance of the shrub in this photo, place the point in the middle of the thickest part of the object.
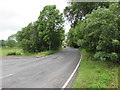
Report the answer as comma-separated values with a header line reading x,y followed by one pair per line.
x,y
13,54
114,56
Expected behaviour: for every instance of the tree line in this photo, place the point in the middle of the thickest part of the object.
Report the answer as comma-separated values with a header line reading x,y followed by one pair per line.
x,y
95,27
10,42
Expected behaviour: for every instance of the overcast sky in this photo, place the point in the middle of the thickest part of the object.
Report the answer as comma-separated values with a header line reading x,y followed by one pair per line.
x,y
16,14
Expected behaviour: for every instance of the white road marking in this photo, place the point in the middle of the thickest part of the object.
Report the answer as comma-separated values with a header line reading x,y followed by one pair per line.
x,y
64,86
7,76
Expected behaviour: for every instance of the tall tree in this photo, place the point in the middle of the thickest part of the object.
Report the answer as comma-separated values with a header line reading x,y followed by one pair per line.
x,y
99,33
44,34
75,11
51,22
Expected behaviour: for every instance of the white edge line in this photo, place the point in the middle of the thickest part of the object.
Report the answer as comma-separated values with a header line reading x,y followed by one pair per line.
x,y
7,76
64,86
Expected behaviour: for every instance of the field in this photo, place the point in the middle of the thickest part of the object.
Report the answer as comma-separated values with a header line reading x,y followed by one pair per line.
x,y
96,74
19,52
4,51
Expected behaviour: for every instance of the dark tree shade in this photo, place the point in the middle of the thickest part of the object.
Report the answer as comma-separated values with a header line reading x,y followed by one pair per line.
x,y
75,11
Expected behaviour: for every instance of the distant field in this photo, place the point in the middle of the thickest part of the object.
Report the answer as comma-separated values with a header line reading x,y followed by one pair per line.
x,y
96,74
5,51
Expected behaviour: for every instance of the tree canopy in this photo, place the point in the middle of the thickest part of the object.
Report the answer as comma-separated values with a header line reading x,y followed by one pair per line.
x,y
99,33
75,11
46,33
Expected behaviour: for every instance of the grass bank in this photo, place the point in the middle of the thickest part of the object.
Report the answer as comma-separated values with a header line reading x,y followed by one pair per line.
x,y
96,74
18,52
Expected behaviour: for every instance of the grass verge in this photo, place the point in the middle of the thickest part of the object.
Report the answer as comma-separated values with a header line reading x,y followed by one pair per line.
x,y
46,53
5,50
96,74
18,52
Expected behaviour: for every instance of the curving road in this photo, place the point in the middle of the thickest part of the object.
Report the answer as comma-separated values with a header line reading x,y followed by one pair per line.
x,y
45,72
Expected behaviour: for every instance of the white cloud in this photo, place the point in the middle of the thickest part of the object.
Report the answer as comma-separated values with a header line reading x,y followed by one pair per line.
x,y
16,14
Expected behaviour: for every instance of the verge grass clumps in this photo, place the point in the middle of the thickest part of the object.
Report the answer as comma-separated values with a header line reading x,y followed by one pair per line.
x,y
6,51
19,52
44,53
95,74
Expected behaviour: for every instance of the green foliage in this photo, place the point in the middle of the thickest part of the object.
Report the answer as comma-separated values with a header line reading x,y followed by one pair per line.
x,y
103,56
2,43
114,56
11,43
47,52
53,26
71,38
99,33
44,34
75,11
12,37
14,53
6,50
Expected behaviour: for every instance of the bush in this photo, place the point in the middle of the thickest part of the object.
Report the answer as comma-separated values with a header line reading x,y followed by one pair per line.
x,y
114,57
103,56
99,34
13,54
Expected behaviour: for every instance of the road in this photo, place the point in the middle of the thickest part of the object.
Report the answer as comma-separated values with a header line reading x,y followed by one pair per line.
x,y
40,72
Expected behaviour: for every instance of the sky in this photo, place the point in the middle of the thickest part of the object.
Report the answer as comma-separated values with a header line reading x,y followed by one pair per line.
x,y
16,14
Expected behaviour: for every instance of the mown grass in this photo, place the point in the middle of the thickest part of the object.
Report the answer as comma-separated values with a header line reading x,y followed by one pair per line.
x,y
96,74
18,52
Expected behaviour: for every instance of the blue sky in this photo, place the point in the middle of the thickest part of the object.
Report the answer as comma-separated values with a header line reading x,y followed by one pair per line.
x,y
16,14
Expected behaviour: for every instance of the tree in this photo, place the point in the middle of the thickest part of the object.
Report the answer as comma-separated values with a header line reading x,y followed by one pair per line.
x,y
100,34
2,43
51,21
44,34
71,38
28,39
75,11
11,43
12,37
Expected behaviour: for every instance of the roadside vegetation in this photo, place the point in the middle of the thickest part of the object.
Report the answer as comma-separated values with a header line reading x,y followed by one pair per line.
x,y
95,28
98,33
45,34
6,51
96,74
41,37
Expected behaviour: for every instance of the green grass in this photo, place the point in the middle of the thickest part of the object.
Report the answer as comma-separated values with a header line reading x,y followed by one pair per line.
x,y
96,74
47,52
5,51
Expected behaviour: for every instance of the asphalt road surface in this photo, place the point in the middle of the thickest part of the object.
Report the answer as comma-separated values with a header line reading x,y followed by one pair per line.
x,y
39,72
